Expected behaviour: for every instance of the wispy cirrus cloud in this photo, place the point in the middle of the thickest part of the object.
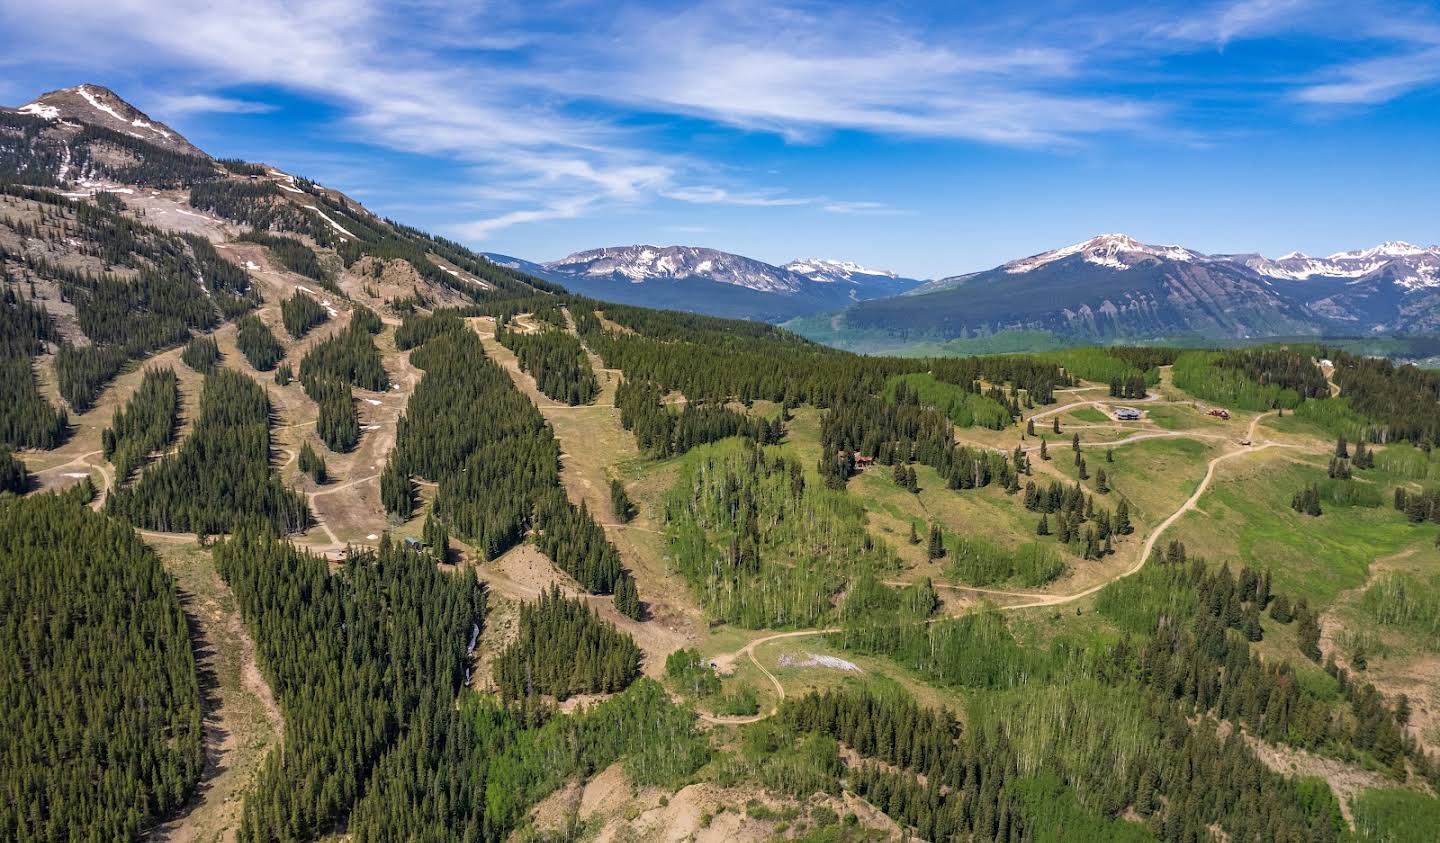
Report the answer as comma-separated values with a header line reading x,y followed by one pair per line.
x,y
182,104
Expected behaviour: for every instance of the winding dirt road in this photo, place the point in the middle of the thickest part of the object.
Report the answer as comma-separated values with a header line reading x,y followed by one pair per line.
x,y
1041,600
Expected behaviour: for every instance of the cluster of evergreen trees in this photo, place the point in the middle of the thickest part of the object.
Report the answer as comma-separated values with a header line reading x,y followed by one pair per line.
x,y
257,342
1073,510
357,659
221,475
145,424
563,648
891,433
99,701
292,254
557,362
338,424
663,433
300,313
1307,501
497,463
1418,506
201,353
349,357
312,464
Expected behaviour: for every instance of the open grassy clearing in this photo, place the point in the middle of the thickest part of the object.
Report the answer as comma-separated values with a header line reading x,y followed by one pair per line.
x,y
1246,517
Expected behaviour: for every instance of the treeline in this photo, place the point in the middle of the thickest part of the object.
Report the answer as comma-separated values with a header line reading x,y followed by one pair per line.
x,y
663,433
221,475
357,659
563,648
99,701
497,464
712,361
154,304
300,313
27,420
145,424
1399,402
965,405
292,254
557,362
758,545
1034,376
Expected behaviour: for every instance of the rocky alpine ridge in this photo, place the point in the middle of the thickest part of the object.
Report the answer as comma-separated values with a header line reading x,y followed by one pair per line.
x,y
715,282
1114,286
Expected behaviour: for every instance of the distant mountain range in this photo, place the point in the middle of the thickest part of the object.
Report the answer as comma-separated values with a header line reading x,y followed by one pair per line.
x,y
715,282
1115,287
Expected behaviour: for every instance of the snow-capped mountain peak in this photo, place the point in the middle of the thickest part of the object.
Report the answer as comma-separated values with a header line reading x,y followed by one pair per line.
x,y
99,106
642,263
1116,251
829,271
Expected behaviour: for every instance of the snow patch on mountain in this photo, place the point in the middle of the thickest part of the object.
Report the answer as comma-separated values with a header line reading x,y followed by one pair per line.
x,y
40,109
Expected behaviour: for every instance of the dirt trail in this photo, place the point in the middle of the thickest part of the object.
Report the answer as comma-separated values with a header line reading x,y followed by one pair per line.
x,y
241,718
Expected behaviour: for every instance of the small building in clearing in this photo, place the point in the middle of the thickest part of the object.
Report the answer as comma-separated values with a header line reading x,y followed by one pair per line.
x,y
1127,414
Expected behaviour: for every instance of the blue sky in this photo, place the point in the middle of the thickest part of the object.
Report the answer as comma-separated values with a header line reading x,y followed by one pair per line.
x,y
927,138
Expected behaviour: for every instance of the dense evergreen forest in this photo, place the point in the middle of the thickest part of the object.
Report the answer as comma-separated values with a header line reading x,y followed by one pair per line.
x,y
355,658
221,475
338,424
145,424
292,254
556,361
99,701
563,648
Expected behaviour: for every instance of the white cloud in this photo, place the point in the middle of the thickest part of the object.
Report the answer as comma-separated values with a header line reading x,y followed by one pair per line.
x,y
1229,21
1375,81
179,104
705,195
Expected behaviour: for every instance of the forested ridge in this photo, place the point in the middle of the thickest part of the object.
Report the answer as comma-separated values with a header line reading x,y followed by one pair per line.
x,y
99,701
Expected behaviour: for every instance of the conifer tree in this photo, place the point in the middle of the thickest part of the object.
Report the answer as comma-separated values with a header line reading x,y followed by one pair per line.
x,y
936,547
620,502
1043,529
